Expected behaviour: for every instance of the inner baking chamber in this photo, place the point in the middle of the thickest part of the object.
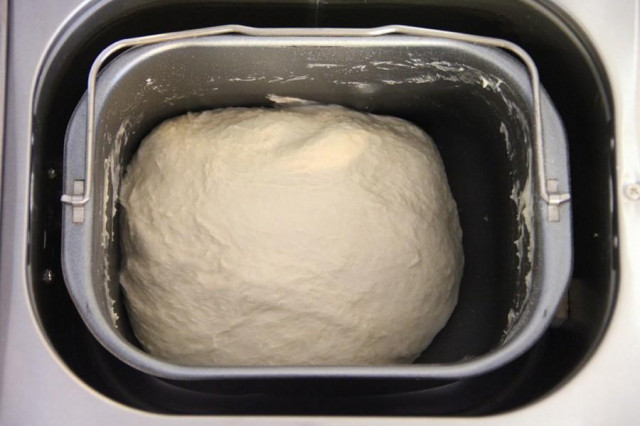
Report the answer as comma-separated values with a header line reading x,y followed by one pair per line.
x,y
477,116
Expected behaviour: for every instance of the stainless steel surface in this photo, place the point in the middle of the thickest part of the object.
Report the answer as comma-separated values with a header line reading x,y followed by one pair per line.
x,y
124,109
37,388
550,196
3,79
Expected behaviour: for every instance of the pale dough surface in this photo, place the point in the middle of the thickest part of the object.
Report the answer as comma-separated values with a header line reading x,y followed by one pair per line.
x,y
310,235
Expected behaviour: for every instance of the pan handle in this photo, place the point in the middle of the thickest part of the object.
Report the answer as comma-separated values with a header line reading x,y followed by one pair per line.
x,y
547,187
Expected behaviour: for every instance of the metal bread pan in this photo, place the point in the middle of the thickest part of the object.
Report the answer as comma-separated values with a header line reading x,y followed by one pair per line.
x,y
500,137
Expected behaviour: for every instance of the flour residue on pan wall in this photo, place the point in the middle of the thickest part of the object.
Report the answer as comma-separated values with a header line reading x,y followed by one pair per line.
x,y
113,169
431,71
360,75
521,198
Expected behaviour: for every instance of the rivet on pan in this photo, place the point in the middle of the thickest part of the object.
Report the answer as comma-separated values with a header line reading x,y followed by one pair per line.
x,y
51,173
632,191
47,276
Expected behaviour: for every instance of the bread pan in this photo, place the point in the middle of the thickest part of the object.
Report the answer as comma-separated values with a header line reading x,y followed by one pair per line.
x,y
500,137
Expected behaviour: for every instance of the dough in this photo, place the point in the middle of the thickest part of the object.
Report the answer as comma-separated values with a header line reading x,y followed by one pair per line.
x,y
306,235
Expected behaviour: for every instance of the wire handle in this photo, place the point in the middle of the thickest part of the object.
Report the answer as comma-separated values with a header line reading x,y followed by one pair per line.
x,y
547,187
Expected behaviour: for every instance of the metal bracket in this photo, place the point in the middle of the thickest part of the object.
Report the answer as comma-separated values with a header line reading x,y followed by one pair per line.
x,y
552,197
555,199
77,215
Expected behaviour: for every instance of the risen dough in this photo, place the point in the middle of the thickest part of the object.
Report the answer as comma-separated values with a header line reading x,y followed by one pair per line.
x,y
308,235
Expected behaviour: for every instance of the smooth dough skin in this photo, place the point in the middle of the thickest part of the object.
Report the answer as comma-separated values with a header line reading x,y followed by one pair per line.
x,y
307,235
